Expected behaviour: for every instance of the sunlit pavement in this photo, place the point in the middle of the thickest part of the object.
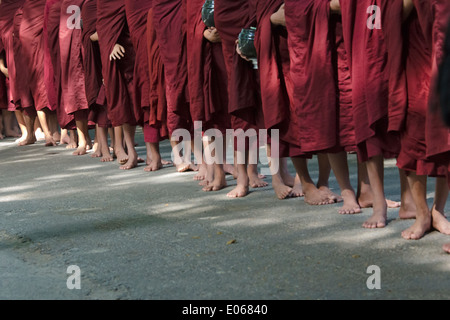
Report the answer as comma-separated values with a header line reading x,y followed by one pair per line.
x,y
139,235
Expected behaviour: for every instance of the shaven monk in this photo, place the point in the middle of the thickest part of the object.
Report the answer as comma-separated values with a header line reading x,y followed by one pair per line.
x,y
118,56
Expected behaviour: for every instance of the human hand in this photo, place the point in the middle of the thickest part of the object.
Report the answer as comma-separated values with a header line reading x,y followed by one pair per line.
x,y
212,35
117,53
279,18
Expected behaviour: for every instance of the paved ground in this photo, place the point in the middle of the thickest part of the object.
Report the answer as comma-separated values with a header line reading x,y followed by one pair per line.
x,y
137,235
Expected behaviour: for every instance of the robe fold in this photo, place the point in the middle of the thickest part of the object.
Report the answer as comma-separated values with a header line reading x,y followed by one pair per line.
x,y
207,73
32,41
364,29
112,29
92,65
169,18
157,115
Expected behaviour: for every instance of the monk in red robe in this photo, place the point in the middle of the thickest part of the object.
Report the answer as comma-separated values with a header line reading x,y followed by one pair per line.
x,y
93,79
52,72
118,56
137,15
244,100
32,40
157,111
209,102
169,18
8,10
424,149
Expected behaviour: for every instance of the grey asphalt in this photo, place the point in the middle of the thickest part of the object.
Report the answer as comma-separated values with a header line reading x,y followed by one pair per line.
x,y
157,236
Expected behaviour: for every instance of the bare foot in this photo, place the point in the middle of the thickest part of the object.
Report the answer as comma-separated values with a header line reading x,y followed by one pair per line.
x,y
315,197
217,184
57,137
377,220
81,151
281,190
12,133
166,162
297,190
229,169
256,181
417,230
446,247
154,165
131,163
49,142
184,167
73,141
30,139
333,196
367,202
239,192
407,211
1,136
350,206
122,157
287,178
440,223
65,139
201,175
97,153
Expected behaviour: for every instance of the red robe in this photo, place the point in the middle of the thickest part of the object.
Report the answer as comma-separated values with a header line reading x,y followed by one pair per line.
x,y
21,90
244,102
206,72
53,63
72,71
364,27
92,65
157,115
112,29
321,118
169,18
8,9
32,39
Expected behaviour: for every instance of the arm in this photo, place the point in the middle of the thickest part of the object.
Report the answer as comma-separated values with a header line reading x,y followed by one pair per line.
x,y
212,35
279,18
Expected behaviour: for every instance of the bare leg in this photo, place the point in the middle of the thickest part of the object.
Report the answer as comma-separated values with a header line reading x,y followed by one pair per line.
x,y
422,225
128,133
29,124
280,186
119,149
324,176
53,126
219,182
440,223
10,130
83,137
22,126
43,119
313,195
297,190
155,163
73,142
364,193
339,164
103,148
407,205
242,188
256,181
375,171
65,139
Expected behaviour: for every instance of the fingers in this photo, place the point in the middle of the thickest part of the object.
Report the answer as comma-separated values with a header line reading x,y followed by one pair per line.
x,y
118,53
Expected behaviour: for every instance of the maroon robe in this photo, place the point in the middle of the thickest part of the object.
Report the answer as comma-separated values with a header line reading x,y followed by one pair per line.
x,y
8,9
321,112
364,28
157,115
72,71
21,90
112,29
92,65
169,18
53,62
32,39
206,72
